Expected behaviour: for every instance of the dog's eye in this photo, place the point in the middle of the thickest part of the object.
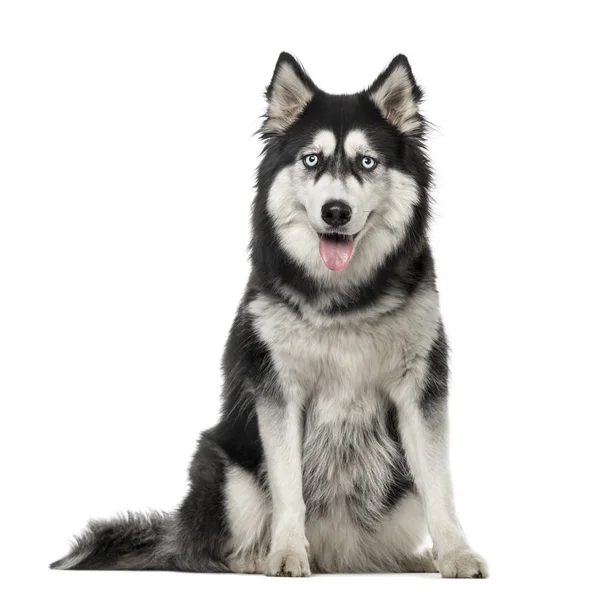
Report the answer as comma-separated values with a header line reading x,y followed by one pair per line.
x,y
368,163
311,160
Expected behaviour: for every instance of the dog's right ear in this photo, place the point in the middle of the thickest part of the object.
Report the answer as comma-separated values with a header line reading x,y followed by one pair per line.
x,y
288,94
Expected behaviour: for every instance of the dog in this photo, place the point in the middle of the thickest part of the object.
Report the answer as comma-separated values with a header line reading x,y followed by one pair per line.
x,y
331,452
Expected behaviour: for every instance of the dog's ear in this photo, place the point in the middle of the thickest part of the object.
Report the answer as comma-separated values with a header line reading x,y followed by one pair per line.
x,y
288,94
397,96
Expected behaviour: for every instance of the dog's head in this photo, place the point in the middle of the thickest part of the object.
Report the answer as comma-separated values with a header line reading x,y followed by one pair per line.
x,y
344,177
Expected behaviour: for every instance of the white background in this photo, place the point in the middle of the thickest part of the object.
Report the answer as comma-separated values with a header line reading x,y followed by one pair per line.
x,y
127,159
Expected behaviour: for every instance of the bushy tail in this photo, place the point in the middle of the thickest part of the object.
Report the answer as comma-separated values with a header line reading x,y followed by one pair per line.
x,y
129,542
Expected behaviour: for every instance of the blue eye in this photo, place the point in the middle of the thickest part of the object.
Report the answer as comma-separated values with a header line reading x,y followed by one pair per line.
x,y
368,163
311,160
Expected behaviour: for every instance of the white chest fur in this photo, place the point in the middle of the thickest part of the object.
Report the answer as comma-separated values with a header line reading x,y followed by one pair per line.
x,y
341,371
346,358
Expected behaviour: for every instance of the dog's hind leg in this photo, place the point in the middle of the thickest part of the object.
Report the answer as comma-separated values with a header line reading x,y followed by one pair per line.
x,y
420,562
400,546
248,511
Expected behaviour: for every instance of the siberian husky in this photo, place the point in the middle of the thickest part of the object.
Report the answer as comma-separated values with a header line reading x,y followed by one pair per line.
x,y
331,452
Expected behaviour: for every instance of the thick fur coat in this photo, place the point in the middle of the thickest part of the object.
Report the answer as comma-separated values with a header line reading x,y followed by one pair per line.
x,y
331,451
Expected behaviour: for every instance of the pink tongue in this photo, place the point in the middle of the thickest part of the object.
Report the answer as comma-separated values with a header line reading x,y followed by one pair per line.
x,y
336,252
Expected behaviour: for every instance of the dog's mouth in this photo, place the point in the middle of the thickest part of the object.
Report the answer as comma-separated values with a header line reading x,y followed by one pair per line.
x,y
336,250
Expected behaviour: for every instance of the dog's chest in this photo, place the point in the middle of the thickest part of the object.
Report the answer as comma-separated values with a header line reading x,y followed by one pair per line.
x,y
350,439
352,457
335,358
352,453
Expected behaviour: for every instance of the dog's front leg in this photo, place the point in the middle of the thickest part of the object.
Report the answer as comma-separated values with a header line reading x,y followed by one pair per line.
x,y
280,424
423,427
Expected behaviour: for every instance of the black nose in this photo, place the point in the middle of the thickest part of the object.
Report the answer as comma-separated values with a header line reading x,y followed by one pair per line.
x,y
336,213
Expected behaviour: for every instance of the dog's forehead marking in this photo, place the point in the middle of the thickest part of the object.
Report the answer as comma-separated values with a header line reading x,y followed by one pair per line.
x,y
355,142
325,140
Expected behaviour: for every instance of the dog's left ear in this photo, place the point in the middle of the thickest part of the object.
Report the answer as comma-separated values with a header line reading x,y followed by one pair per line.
x,y
397,96
288,94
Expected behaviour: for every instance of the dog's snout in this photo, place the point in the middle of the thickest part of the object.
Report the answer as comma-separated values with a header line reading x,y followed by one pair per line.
x,y
336,213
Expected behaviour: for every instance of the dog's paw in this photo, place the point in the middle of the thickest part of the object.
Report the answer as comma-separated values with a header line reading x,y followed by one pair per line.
x,y
462,564
420,563
288,563
246,564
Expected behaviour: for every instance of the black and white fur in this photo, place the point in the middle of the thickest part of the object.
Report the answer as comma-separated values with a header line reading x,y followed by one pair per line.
x,y
331,451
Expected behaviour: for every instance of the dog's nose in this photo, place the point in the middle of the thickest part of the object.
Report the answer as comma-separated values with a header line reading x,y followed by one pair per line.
x,y
336,213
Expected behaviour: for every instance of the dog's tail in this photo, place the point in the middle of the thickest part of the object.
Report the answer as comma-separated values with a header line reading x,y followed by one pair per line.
x,y
131,541
137,542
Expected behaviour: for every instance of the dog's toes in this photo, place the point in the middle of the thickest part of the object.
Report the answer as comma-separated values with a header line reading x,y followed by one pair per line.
x,y
421,563
288,563
246,564
462,564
